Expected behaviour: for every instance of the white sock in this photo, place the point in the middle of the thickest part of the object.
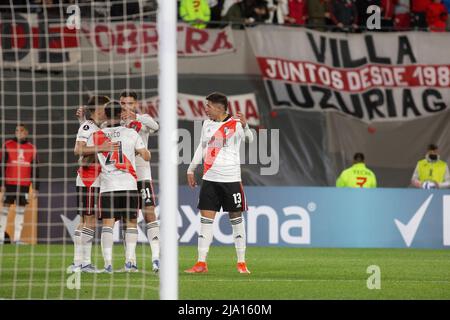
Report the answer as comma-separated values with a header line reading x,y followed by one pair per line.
x,y
239,237
107,245
205,237
87,235
131,236
3,222
78,249
153,238
18,223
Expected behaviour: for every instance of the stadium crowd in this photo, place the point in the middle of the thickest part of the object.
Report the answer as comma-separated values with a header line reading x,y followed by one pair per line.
x,y
334,15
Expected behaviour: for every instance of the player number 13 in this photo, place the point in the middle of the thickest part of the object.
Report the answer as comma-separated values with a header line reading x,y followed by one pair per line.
x,y
237,198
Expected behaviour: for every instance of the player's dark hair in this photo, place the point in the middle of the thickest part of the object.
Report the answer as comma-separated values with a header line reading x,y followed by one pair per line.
x,y
95,101
217,97
129,93
432,147
358,157
113,110
21,124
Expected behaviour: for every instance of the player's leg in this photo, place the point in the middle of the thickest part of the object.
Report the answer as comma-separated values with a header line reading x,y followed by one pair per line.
x,y
21,202
88,230
209,204
77,246
240,240
7,201
131,200
107,213
147,205
21,199
235,204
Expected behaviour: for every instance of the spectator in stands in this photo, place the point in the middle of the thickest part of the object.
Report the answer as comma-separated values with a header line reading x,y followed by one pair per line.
x,y
227,4
51,7
256,11
437,16
343,14
387,14
431,172
278,10
125,8
419,13
298,12
358,175
234,11
195,12
316,13
215,8
447,5
402,15
362,6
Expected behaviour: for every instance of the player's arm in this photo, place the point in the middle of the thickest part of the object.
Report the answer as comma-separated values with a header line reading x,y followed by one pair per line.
x,y
196,161
148,121
35,175
82,149
248,135
144,153
415,178
3,162
140,148
81,114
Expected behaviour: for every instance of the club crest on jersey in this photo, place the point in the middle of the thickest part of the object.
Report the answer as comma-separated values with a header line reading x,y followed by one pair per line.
x,y
85,127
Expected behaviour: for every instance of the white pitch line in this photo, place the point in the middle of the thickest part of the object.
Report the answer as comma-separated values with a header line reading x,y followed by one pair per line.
x,y
259,280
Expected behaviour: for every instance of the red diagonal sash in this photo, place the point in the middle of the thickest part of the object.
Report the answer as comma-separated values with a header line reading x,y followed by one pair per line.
x,y
99,139
216,143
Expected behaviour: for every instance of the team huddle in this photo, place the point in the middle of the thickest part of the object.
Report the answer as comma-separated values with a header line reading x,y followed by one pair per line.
x,y
114,180
114,169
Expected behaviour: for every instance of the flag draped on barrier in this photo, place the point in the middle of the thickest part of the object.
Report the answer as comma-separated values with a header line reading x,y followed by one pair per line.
x,y
371,77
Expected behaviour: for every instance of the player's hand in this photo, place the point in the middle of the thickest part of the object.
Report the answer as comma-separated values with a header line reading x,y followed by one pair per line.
x,y
80,114
436,184
2,190
128,115
34,194
108,146
191,180
240,116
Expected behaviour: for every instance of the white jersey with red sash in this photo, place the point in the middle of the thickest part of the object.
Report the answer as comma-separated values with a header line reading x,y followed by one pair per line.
x,y
143,125
88,176
118,167
221,143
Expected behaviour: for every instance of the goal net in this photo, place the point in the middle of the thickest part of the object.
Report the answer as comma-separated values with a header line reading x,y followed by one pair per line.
x,y
54,57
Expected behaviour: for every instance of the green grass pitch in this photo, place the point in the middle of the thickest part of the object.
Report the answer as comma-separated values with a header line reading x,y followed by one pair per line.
x,y
38,272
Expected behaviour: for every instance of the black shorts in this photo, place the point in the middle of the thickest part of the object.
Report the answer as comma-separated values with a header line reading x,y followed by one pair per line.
x,y
226,195
16,194
88,201
119,204
145,187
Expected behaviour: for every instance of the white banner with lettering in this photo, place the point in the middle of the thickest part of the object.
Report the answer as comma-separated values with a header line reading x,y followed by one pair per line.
x,y
371,77
192,107
140,40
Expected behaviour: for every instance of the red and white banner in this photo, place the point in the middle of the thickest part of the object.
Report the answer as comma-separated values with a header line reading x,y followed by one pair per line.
x,y
372,77
192,107
28,42
135,39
